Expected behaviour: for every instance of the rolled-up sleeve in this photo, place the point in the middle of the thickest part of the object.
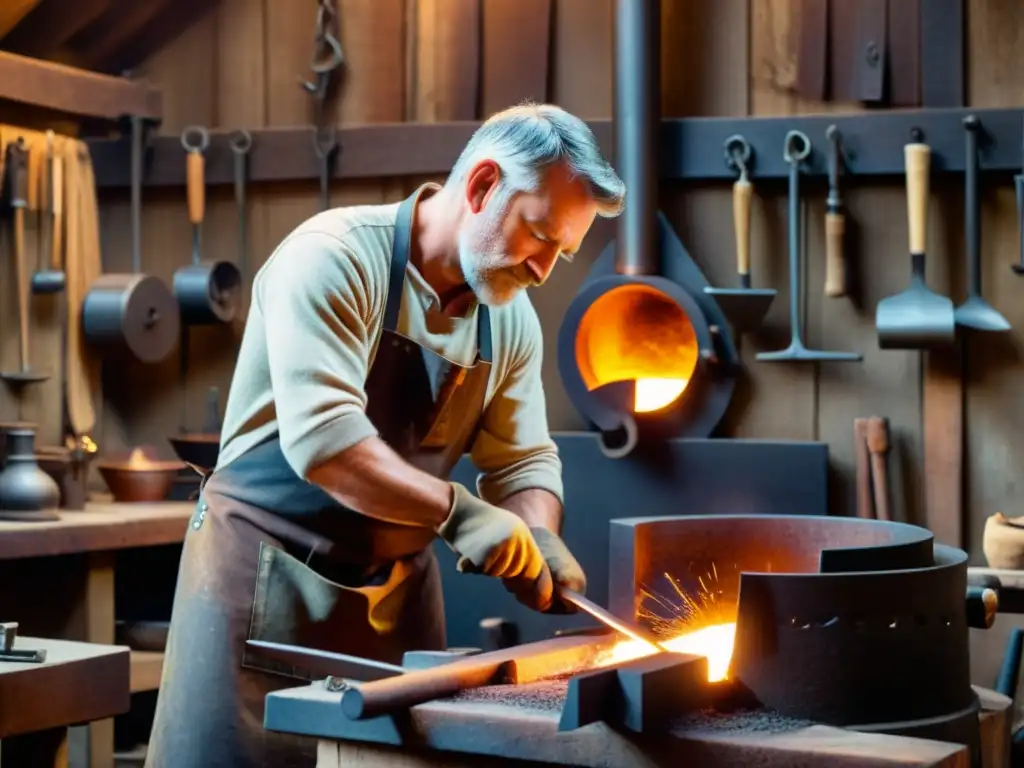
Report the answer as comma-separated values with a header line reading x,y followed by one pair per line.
x,y
514,450
314,298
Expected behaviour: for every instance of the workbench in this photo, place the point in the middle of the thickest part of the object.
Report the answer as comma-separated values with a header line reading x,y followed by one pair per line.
x,y
491,728
76,683
64,571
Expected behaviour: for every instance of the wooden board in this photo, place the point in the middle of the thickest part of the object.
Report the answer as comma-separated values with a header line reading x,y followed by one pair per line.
x,y
78,683
100,527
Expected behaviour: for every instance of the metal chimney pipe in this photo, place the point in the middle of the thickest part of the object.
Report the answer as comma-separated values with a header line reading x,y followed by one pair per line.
x,y
637,129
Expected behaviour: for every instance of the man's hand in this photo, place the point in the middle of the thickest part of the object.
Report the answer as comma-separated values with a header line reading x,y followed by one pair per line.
x,y
495,542
565,572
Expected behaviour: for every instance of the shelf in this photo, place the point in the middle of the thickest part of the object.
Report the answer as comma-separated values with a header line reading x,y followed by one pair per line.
x,y
73,91
146,667
691,148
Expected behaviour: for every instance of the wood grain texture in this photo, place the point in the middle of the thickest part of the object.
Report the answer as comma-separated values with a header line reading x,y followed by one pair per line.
x,y
995,424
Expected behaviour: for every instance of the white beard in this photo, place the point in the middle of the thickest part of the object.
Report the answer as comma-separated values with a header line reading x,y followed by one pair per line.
x,y
484,267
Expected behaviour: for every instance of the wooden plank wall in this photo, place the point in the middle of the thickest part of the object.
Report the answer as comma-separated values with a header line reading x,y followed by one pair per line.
x,y
240,68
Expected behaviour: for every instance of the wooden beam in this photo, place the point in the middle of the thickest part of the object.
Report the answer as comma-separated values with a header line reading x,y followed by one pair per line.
x,y
12,12
169,21
113,30
75,91
52,24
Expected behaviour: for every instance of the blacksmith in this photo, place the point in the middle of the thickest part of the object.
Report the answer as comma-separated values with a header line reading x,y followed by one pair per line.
x,y
382,343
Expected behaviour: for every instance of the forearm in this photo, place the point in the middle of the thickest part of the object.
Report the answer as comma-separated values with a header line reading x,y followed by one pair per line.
x,y
538,508
372,479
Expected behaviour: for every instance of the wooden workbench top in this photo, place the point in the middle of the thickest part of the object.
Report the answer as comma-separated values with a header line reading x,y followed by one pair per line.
x,y
77,683
99,527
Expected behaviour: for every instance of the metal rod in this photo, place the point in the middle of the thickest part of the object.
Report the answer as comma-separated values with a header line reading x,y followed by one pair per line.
x,y
609,619
636,129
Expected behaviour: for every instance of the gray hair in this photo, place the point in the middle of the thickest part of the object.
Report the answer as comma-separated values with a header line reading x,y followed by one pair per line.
x,y
527,139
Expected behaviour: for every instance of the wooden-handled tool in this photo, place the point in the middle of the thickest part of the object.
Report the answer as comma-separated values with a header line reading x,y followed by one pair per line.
x,y
742,192
918,317
50,278
835,222
207,290
744,307
918,160
18,169
878,446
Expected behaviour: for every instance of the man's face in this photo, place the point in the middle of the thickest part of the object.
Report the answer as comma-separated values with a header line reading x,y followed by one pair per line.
x,y
505,246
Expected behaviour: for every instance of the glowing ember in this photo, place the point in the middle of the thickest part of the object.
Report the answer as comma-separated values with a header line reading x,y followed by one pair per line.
x,y
714,642
654,394
701,625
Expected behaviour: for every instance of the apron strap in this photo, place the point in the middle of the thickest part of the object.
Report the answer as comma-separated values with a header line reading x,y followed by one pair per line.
x,y
399,260
483,334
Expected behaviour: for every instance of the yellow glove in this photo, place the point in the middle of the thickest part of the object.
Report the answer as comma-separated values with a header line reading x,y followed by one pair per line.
x,y
495,542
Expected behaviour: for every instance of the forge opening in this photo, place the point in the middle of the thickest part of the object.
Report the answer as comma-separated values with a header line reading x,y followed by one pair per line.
x,y
635,333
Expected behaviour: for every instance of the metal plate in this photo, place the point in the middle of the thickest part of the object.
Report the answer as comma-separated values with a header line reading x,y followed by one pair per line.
x,y
843,648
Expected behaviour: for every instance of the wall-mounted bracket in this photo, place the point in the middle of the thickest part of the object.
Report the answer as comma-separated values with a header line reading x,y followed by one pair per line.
x,y
691,148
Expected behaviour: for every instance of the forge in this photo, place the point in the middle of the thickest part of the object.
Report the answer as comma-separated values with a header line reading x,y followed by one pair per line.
x,y
793,640
644,353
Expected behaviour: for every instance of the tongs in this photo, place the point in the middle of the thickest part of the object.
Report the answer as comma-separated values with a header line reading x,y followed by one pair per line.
x,y
871,446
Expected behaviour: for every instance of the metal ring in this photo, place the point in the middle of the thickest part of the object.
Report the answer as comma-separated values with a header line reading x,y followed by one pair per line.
x,y
737,142
801,154
193,132
241,141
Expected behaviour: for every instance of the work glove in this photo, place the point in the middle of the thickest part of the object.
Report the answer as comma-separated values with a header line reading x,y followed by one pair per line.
x,y
495,542
565,569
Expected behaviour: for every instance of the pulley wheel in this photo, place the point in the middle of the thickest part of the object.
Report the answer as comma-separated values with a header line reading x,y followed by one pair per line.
x,y
208,292
131,313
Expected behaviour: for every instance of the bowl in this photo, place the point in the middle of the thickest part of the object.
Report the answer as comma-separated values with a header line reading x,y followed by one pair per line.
x,y
139,477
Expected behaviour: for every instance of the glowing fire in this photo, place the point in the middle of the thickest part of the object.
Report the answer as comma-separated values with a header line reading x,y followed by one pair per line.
x,y
715,642
654,394
701,625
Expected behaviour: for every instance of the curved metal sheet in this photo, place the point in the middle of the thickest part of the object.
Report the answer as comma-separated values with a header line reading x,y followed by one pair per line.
x,y
882,641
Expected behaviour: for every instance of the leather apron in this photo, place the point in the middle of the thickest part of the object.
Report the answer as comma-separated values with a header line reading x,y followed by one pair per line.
x,y
272,557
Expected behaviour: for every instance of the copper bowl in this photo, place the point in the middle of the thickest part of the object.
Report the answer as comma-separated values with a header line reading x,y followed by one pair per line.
x,y
138,477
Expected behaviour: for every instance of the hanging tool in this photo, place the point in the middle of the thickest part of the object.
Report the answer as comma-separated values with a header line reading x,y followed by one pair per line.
x,y
918,317
975,312
836,267
328,56
49,278
207,290
745,307
797,149
1018,183
131,312
241,143
609,619
17,166
871,447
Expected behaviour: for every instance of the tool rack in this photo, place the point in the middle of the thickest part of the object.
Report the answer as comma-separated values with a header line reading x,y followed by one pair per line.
x,y
873,146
